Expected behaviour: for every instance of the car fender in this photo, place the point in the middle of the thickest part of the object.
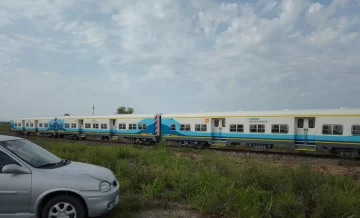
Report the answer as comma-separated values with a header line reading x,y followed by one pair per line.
x,y
50,191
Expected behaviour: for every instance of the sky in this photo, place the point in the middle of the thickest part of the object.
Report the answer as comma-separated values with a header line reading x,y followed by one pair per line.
x,y
174,56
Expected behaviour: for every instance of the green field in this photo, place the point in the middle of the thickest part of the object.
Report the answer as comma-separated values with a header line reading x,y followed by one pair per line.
x,y
4,126
215,185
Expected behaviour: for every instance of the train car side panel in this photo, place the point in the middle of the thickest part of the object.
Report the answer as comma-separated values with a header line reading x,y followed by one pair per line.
x,y
186,129
264,130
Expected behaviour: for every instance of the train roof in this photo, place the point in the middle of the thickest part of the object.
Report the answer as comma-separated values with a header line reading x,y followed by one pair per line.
x,y
118,116
285,112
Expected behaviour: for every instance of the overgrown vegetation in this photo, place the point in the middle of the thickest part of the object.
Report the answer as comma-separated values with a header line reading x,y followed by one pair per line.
x,y
216,185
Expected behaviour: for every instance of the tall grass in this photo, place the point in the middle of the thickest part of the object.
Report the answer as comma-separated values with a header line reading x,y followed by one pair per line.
x,y
217,185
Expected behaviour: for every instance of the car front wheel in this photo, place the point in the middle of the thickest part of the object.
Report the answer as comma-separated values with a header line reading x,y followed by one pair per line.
x,y
63,206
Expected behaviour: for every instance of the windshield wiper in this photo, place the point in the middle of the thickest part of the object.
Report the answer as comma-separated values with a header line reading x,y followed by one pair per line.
x,y
63,161
47,165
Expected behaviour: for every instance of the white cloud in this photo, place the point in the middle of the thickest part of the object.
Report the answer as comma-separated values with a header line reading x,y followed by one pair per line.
x,y
315,8
210,54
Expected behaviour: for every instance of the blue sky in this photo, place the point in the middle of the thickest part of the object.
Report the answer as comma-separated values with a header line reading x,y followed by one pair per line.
x,y
64,56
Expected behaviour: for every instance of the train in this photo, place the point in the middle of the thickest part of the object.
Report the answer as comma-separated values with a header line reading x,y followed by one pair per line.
x,y
333,130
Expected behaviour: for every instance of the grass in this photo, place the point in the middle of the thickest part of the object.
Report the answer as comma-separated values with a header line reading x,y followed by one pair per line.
x,y
216,185
4,126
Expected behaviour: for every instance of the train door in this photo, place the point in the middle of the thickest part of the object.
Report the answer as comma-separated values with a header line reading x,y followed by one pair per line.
x,y
23,125
112,125
36,125
217,127
81,126
305,130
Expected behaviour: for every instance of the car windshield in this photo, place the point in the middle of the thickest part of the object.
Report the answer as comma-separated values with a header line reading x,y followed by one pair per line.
x,y
31,153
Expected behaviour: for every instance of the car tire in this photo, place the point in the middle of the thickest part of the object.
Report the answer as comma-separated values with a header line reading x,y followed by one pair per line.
x,y
73,204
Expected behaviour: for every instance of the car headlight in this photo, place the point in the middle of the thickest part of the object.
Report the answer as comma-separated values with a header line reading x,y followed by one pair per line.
x,y
104,187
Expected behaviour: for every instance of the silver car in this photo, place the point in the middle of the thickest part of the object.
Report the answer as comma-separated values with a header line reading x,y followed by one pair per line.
x,y
36,183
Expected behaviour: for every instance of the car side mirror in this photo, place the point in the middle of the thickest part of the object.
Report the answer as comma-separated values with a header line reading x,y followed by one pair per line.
x,y
15,169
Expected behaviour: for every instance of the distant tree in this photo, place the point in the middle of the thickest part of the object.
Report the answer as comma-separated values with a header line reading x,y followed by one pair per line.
x,y
123,110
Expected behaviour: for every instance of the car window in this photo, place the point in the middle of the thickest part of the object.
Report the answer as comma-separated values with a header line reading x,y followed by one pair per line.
x,y
5,160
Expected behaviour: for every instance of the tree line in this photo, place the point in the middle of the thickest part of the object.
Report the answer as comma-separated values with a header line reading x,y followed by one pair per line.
x,y
124,110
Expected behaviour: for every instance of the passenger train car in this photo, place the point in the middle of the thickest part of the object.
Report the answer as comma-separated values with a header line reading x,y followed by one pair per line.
x,y
333,129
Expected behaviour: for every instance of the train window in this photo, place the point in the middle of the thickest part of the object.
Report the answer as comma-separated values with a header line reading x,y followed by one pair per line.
x,y
73,125
27,125
103,126
356,130
327,129
185,127
253,128
337,130
240,128
87,125
280,128
122,126
332,129
31,125
261,128
223,123
216,122
40,125
15,124
46,125
311,123
173,127
284,128
236,128
257,128
95,126
19,124
300,123
132,126
142,126
67,125
200,127
275,128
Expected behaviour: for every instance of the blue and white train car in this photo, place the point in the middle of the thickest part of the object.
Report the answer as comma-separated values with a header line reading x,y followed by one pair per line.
x,y
334,129
132,127
36,125
187,128
16,125
128,126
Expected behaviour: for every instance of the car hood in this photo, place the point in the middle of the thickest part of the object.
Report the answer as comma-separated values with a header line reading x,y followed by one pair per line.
x,y
89,170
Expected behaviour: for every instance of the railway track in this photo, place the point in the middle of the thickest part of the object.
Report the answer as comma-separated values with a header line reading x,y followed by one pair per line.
x,y
280,153
221,149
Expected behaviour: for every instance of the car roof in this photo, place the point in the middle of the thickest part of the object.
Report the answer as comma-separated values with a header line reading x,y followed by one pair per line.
x,y
8,138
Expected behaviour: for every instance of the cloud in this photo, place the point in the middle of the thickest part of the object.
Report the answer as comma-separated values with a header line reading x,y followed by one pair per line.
x,y
177,56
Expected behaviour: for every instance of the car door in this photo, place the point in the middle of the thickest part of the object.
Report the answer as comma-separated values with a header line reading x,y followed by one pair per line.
x,y
15,189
